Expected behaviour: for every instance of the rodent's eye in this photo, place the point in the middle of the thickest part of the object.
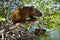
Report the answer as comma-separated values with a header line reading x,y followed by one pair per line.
x,y
37,12
33,11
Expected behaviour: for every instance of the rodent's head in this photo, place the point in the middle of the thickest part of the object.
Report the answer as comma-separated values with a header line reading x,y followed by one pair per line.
x,y
36,12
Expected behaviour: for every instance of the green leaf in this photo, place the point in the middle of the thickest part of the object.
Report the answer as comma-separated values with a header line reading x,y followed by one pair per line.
x,y
57,0
2,19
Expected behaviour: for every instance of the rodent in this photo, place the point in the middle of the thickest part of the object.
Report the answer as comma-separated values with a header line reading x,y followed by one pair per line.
x,y
21,14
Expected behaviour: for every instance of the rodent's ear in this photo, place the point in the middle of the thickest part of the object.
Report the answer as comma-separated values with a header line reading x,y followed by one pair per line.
x,y
33,10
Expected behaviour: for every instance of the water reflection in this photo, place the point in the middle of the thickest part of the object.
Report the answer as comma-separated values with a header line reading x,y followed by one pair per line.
x,y
54,34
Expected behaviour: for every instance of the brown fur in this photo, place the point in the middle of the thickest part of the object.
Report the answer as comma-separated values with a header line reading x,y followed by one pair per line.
x,y
21,14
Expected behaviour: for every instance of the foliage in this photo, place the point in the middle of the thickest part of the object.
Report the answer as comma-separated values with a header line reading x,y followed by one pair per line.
x,y
57,0
2,19
50,10
51,13
28,26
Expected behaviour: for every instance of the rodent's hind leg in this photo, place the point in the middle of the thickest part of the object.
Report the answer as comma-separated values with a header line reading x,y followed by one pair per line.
x,y
20,21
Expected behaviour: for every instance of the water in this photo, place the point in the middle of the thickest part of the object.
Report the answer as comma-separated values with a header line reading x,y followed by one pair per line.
x,y
55,35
